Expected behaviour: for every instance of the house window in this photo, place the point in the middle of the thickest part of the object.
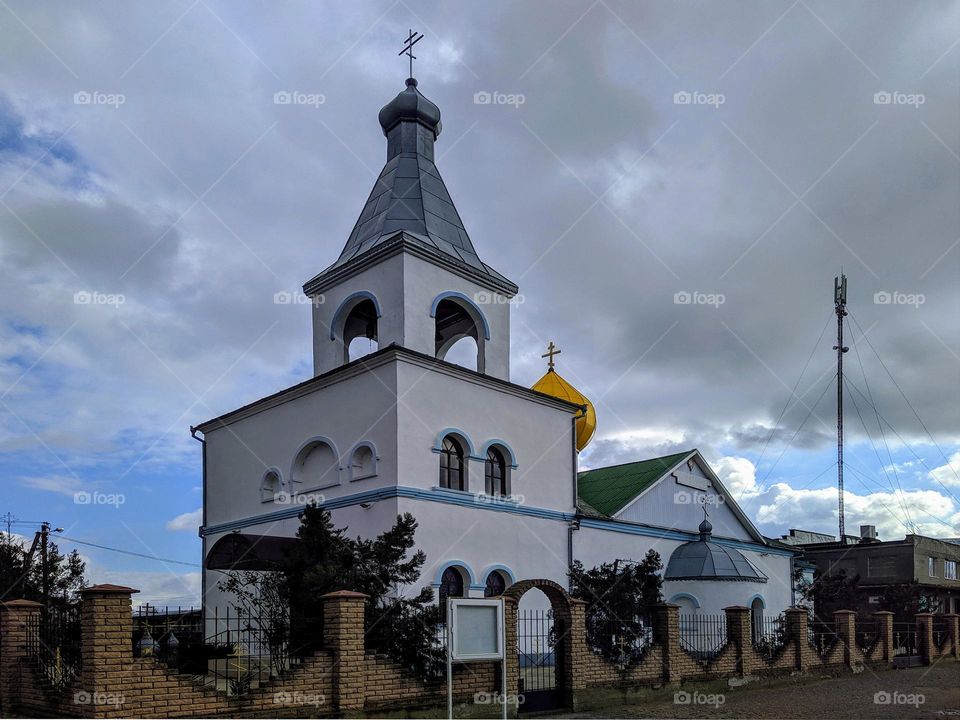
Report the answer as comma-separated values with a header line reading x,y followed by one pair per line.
x,y
932,567
453,471
950,569
495,473
495,585
270,486
363,463
451,585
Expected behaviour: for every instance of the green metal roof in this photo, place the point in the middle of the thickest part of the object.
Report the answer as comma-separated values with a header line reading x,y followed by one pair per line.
x,y
610,489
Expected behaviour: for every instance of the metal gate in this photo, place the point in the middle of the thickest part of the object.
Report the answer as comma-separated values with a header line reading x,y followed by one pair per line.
x,y
906,647
539,635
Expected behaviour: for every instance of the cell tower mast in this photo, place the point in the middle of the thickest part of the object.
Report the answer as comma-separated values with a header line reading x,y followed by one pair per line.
x,y
840,307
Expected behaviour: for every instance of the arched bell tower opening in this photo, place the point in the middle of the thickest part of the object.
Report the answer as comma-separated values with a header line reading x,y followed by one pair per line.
x,y
457,320
355,326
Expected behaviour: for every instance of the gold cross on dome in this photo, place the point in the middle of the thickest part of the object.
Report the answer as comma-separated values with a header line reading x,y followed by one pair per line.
x,y
551,351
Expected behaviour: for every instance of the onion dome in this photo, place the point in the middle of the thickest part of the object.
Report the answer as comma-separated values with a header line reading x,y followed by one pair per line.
x,y
553,384
704,559
410,104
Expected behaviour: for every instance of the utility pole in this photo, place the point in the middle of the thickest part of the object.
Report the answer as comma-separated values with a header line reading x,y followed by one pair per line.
x,y
8,519
840,307
44,566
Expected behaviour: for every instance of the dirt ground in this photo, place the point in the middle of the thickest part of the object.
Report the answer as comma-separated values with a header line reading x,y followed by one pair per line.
x,y
922,692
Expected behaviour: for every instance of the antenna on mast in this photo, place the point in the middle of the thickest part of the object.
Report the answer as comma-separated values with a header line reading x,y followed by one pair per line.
x,y
840,307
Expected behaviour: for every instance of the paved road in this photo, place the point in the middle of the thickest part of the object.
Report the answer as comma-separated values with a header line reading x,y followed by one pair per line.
x,y
934,693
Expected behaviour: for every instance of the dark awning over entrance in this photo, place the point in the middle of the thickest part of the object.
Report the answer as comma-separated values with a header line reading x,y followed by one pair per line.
x,y
239,551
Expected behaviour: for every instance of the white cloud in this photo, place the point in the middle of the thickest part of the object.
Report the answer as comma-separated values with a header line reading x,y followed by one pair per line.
x,y
187,521
63,484
948,474
738,474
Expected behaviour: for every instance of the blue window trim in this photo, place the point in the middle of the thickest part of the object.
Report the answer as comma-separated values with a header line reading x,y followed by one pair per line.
x,y
685,596
470,580
438,445
266,472
511,578
511,455
460,296
348,301
758,596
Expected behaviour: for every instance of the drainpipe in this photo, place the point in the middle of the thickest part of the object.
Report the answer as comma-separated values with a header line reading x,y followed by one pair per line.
x,y
203,521
575,524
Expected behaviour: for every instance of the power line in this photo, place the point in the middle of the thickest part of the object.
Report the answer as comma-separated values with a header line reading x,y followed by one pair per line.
x,y
906,399
128,552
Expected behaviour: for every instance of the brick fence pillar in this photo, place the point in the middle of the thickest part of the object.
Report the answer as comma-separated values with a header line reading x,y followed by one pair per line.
x,y
106,645
343,635
15,617
510,610
740,635
577,637
666,631
953,627
925,637
885,632
797,620
845,622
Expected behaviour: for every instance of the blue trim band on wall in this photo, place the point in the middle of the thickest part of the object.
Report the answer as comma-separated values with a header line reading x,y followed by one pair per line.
x,y
472,500
460,296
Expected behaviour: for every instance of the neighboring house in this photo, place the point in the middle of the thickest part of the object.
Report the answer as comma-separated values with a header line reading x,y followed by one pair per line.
x,y
488,467
930,562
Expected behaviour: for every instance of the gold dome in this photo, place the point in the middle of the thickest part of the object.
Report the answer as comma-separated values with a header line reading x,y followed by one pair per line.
x,y
553,384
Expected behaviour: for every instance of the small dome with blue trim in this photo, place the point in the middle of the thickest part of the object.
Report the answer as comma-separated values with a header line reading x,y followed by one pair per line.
x,y
704,559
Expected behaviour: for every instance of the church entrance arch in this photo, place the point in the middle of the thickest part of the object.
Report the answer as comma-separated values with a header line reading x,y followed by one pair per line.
x,y
539,660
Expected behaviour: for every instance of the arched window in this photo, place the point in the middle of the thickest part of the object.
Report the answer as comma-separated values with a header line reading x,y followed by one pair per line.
x,y
495,473
451,585
363,462
756,618
453,468
359,329
457,319
270,486
316,466
496,584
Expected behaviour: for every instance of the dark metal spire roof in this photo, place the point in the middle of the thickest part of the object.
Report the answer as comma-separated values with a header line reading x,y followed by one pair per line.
x,y
706,560
410,197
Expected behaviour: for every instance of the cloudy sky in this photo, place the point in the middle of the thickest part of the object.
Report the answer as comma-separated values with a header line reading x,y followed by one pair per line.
x,y
154,198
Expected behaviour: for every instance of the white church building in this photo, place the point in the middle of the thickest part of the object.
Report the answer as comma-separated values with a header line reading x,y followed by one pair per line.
x,y
489,468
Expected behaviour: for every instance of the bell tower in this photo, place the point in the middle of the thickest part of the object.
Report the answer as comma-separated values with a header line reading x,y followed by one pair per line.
x,y
409,274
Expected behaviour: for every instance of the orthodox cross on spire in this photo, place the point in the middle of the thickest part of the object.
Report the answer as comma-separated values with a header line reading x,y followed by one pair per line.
x,y
551,351
408,44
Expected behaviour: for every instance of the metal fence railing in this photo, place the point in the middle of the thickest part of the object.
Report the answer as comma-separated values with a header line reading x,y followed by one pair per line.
x,y
867,633
703,636
53,639
905,640
822,635
621,642
768,635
